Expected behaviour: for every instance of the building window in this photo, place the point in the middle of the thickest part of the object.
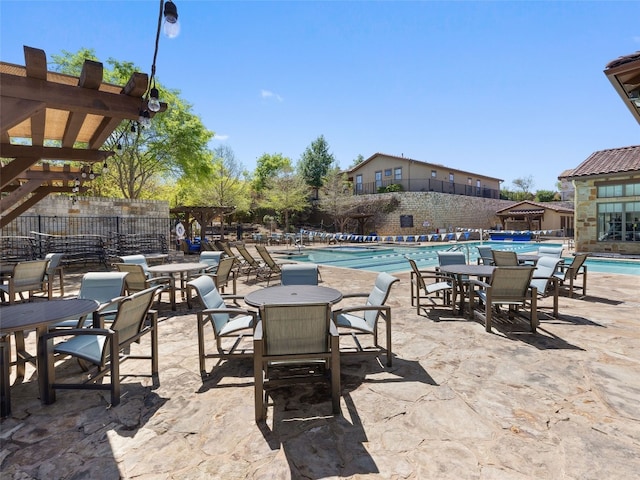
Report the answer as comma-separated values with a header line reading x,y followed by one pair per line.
x,y
469,181
379,179
619,221
451,178
387,172
397,174
359,183
434,174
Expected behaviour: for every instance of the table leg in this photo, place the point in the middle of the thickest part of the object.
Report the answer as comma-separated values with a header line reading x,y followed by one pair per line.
x,y
5,387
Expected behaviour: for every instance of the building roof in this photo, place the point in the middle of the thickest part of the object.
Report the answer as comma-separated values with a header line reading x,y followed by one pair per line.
x,y
431,164
613,160
624,75
529,207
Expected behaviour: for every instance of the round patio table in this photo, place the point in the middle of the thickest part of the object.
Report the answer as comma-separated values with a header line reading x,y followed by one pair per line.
x,y
36,316
292,295
179,268
460,271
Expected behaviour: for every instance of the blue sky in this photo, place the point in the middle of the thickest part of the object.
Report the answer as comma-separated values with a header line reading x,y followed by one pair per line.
x,y
506,89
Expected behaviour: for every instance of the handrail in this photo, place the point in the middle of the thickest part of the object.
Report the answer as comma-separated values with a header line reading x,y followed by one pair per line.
x,y
458,247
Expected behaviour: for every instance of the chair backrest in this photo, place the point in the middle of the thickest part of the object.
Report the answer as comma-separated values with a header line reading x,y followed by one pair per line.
x,y
577,262
224,247
451,258
29,275
131,315
295,329
210,258
224,270
416,271
510,284
54,262
484,255
268,259
379,295
137,260
504,258
545,268
136,280
299,274
210,298
102,286
246,255
546,251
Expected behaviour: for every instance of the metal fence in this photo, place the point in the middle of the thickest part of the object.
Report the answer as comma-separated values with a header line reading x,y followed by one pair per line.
x,y
427,185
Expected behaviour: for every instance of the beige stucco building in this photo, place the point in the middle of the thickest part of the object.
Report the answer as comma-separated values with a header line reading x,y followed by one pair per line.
x,y
379,171
607,201
530,215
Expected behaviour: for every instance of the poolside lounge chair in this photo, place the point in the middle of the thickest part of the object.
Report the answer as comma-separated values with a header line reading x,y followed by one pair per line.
x,y
568,274
293,344
27,277
104,348
137,281
510,287
228,321
365,324
299,274
427,284
504,258
251,265
545,281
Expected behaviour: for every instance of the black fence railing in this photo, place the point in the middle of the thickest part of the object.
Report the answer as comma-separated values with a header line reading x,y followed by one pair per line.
x,y
427,185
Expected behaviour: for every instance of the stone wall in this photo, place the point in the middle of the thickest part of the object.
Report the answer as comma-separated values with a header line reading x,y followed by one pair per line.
x,y
99,207
432,211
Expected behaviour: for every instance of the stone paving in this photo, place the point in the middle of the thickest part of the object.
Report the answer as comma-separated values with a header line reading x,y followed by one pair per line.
x,y
458,403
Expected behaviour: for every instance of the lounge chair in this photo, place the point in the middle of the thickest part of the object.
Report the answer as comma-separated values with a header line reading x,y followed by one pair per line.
x,y
366,323
294,343
251,265
137,281
568,274
428,284
104,348
299,274
227,321
545,281
508,286
27,277
504,258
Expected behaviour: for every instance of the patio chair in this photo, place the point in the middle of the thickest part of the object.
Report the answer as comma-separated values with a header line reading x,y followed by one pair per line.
x,y
485,257
212,259
55,268
508,286
299,274
428,284
29,277
451,258
137,281
366,323
568,274
292,344
548,251
225,273
137,260
224,247
504,258
544,280
107,288
250,265
104,348
227,321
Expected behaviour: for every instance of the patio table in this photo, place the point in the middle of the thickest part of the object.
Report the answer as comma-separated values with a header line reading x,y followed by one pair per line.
x,y
292,295
36,316
183,269
460,271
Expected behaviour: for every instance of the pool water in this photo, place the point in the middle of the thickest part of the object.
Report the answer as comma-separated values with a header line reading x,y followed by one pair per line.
x,y
391,259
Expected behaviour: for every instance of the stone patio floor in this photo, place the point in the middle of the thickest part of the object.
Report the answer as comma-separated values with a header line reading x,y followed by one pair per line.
x,y
458,403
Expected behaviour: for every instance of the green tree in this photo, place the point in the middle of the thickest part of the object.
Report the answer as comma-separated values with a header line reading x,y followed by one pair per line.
x,y
545,195
336,197
315,163
174,145
523,187
285,194
267,166
356,161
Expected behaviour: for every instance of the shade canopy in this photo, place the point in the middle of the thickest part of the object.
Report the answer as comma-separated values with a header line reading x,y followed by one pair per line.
x,y
624,75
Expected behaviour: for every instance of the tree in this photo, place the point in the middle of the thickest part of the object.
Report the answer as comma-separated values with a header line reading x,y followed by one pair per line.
x,y
315,163
336,197
545,195
267,166
175,144
524,186
286,193
356,161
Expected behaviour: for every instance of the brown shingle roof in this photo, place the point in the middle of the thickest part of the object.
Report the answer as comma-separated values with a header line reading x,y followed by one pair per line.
x,y
614,160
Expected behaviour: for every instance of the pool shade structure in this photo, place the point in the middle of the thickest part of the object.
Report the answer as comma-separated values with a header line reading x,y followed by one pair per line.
x,y
624,75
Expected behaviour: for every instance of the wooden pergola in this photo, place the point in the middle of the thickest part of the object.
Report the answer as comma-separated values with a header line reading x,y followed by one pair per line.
x,y
203,215
61,118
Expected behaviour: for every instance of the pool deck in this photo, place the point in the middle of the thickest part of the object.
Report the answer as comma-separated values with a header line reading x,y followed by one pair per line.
x,y
458,403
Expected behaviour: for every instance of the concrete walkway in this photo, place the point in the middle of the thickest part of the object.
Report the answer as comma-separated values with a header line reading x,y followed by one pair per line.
x,y
458,403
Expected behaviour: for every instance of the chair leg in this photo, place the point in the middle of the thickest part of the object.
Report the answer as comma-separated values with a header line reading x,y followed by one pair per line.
x,y
114,367
260,404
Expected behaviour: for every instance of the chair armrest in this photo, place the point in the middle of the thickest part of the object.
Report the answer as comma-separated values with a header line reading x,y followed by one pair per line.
x,y
478,283
108,304
235,311
257,332
77,331
362,308
333,330
356,295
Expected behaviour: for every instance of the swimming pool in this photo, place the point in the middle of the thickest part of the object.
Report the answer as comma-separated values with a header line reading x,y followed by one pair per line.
x,y
391,258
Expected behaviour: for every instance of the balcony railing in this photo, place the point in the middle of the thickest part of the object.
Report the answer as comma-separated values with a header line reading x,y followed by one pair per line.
x,y
428,185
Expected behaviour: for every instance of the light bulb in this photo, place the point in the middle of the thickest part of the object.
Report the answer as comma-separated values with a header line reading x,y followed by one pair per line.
x,y
153,103
84,174
171,25
105,168
92,175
